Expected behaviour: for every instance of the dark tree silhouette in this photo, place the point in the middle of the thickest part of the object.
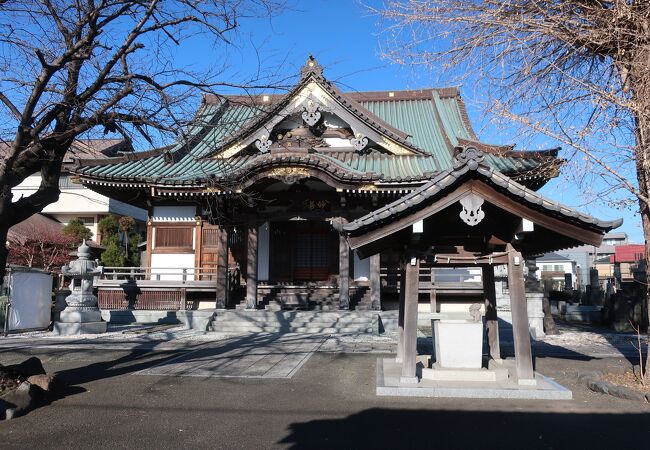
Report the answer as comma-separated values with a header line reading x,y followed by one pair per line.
x,y
69,68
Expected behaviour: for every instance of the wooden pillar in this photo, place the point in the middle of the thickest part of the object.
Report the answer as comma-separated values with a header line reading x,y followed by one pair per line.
x,y
521,335
344,273
400,316
222,269
491,319
149,249
183,305
375,282
251,268
198,250
433,308
409,359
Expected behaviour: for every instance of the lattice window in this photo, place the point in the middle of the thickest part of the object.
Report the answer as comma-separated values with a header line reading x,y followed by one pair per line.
x,y
210,237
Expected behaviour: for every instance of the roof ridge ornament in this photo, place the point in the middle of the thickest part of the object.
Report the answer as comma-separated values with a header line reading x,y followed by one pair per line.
x,y
311,66
468,156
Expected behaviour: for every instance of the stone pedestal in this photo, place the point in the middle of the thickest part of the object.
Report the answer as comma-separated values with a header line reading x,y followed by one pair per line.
x,y
66,329
438,373
459,343
535,302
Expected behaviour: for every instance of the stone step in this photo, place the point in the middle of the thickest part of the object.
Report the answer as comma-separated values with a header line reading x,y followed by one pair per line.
x,y
263,314
272,329
292,324
291,315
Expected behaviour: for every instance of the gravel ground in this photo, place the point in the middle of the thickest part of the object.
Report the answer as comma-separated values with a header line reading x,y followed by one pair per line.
x,y
582,340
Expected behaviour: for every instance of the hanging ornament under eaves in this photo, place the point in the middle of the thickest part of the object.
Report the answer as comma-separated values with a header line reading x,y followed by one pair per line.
x,y
263,144
472,214
359,142
311,115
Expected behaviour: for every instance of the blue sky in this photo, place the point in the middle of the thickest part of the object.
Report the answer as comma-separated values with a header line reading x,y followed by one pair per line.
x,y
345,39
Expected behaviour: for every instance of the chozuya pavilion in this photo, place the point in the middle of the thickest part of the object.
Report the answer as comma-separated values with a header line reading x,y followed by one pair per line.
x,y
328,200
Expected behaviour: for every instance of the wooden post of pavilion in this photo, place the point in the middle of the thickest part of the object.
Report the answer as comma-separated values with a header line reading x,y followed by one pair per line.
x,y
410,337
521,335
222,269
251,268
344,273
492,323
400,315
375,282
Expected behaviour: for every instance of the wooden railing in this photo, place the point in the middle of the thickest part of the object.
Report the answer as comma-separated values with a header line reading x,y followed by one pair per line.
x,y
391,278
182,274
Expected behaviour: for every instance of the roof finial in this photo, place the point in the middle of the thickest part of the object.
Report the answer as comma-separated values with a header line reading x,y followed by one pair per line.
x,y
469,156
311,66
83,251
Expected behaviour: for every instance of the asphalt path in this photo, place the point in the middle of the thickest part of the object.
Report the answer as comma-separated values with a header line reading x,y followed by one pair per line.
x,y
329,403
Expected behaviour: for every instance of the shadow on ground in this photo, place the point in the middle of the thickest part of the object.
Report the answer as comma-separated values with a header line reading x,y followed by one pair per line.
x,y
400,429
146,356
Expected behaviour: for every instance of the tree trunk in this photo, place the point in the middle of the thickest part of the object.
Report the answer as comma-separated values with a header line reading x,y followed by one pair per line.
x,y
643,177
645,219
6,217
3,251
638,67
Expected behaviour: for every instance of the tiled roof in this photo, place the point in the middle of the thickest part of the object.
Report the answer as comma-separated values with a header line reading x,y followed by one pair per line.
x,y
470,162
36,224
430,122
552,256
84,149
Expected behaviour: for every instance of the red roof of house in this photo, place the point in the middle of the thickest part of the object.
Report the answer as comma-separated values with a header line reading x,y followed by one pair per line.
x,y
628,253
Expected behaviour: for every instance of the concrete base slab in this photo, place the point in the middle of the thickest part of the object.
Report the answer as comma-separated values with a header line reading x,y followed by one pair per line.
x,y
388,384
408,380
67,329
74,316
438,373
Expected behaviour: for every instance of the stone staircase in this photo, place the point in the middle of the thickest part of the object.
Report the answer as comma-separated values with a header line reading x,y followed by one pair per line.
x,y
278,298
318,322
360,298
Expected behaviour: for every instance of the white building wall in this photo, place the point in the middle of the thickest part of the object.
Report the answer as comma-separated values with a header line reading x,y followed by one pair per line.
x,y
79,202
173,213
170,265
66,218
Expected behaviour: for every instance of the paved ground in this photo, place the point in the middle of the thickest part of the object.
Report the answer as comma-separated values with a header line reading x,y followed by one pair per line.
x,y
329,403
254,356
119,396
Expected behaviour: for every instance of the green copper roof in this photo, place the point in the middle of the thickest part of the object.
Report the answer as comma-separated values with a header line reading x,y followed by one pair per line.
x,y
435,121
417,118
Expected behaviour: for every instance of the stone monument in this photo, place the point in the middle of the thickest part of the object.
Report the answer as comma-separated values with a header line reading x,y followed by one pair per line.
x,y
81,315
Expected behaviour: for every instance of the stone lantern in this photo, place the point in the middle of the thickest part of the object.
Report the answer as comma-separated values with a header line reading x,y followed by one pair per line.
x,y
81,315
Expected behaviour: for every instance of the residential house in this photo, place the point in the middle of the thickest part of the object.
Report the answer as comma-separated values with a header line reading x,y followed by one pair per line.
x,y
76,200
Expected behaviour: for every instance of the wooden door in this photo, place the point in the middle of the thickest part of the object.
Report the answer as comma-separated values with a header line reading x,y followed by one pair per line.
x,y
315,256
209,252
281,252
